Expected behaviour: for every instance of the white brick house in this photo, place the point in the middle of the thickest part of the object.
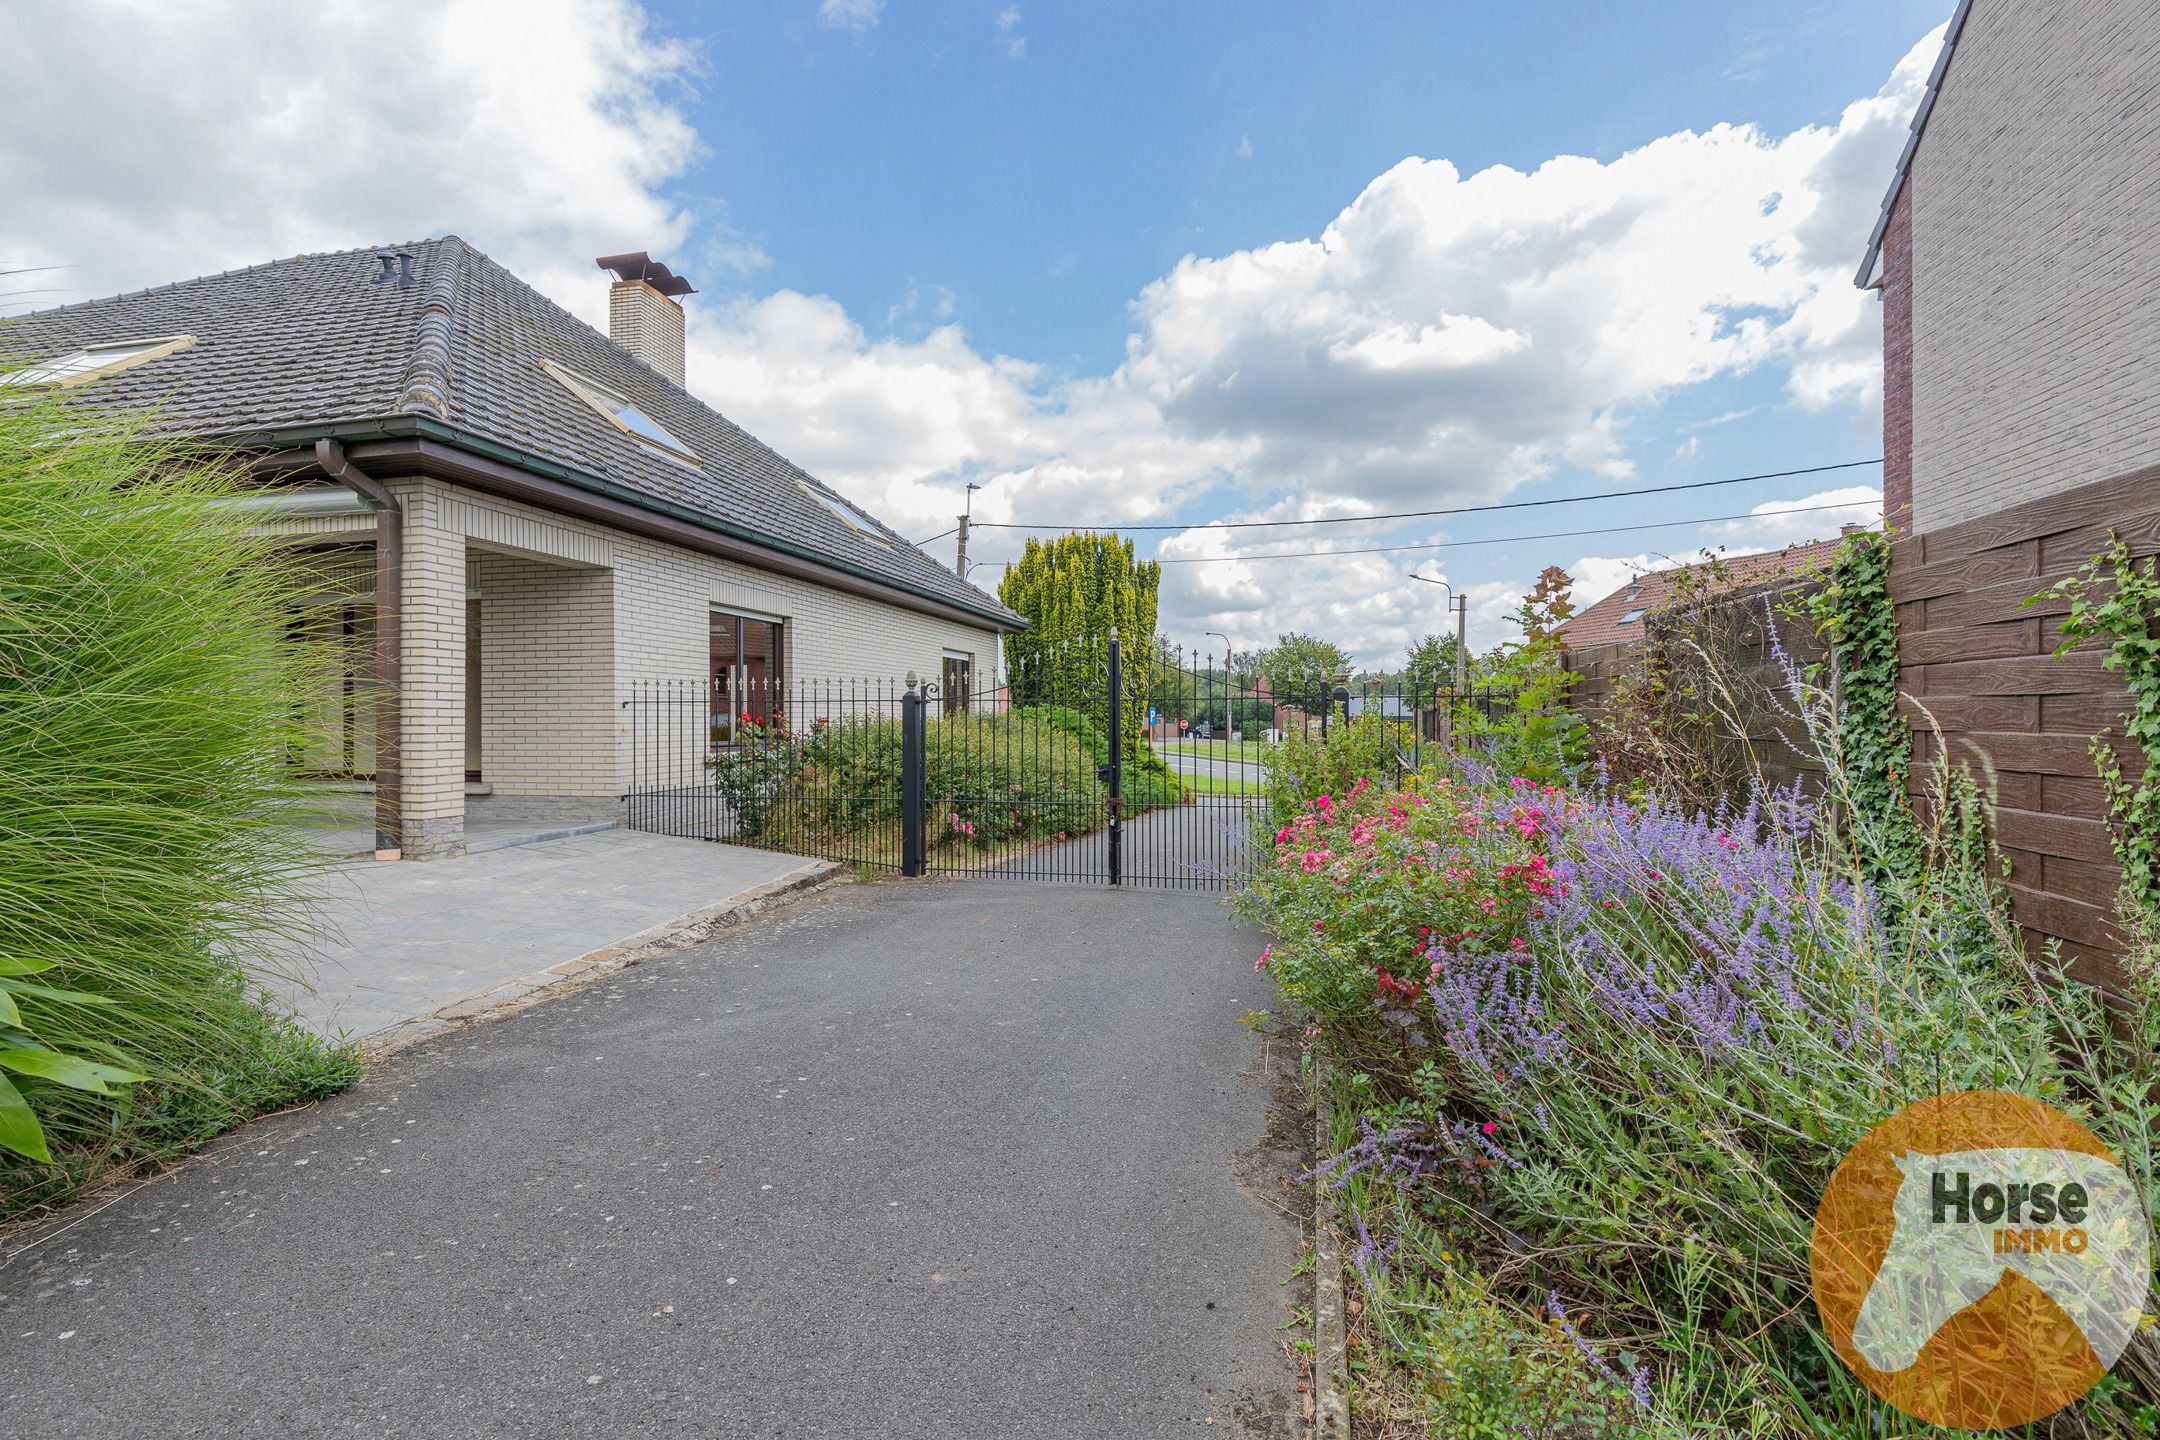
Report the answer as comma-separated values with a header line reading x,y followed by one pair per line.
x,y
2016,257
559,518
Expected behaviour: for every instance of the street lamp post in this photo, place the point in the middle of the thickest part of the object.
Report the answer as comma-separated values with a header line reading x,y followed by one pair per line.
x,y
1460,604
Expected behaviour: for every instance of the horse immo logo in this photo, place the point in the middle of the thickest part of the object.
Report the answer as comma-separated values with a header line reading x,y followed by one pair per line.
x,y
1980,1260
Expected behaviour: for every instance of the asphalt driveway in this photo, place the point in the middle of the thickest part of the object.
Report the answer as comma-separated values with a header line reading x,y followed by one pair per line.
x,y
951,1159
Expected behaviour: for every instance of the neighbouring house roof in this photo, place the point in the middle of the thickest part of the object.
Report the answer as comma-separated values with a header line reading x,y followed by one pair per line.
x,y
314,347
1618,618
1868,279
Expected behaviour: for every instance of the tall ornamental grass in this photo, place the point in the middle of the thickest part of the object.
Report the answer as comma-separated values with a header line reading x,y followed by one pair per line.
x,y
1607,1055
149,711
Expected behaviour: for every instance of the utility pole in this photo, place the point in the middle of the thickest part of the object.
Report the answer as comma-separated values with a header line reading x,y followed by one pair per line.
x,y
1460,604
960,556
1462,644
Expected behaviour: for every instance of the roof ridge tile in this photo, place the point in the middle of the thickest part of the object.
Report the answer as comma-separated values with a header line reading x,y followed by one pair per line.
x,y
210,275
425,385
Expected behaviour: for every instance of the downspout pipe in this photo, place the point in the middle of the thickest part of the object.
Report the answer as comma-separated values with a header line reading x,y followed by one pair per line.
x,y
389,644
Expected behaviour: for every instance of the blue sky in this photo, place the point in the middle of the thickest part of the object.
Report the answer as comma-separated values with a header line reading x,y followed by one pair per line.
x,y
1162,264
1044,192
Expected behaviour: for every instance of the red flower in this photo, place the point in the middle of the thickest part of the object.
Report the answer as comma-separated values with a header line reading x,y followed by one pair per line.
x,y
1386,987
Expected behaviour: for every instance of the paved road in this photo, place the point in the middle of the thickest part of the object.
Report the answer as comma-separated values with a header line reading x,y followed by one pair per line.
x,y
1197,847
947,1159
1219,765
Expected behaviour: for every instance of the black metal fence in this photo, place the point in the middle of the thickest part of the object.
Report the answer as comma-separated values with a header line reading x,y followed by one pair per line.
x,y
1453,712
813,768
1106,762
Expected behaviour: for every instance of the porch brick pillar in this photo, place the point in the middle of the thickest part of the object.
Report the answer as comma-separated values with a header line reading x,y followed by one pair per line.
x,y
434,656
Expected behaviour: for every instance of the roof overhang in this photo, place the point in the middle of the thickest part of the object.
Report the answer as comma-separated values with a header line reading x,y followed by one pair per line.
x,y
1870,273
411,445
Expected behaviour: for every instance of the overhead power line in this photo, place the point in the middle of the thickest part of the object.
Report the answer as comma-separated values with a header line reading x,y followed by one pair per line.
x,y
1490,540
1426,514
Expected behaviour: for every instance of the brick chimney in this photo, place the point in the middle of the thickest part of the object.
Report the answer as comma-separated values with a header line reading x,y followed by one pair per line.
x,y
644,315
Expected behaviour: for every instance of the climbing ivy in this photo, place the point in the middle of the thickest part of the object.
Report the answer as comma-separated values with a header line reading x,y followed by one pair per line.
x,y
2117,599
1854,616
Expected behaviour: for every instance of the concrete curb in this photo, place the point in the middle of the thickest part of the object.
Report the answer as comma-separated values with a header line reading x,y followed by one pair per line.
x,y
680,933
1331,1364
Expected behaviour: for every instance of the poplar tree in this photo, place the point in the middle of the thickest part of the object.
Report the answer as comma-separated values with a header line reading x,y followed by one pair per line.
x,y
1074,591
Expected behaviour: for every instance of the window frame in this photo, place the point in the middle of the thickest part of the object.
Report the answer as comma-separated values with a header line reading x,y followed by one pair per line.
x,y
846,511
141,352
962,696
607,402
731,681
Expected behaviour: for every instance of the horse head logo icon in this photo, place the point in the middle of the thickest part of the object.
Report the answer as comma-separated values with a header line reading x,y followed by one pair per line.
x,y
1981,1259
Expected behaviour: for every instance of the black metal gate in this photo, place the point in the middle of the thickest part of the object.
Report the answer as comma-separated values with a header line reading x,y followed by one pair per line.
x,y
1106,761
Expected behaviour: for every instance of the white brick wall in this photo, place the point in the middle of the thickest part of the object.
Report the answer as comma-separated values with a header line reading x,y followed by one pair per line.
x,y
547,676
572,614
2035,270
433,616
647,324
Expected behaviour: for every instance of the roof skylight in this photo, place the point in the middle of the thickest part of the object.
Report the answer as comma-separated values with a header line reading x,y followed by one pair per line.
x,y
623,415
94,362
845,511
1633,615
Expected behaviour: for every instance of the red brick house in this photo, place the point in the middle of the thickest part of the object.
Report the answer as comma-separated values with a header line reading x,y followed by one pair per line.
x,y
1618,618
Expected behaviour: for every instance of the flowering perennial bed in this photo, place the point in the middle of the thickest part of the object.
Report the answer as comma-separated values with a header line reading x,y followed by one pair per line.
x,y
1593,1063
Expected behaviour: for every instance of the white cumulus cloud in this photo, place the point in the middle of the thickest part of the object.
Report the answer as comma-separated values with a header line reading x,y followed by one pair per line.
x,y
210,135
1444,338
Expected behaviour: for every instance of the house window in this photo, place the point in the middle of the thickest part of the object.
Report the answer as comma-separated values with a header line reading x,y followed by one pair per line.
x,y
94,362
855,518
620,413
958,682
748,673
1633,615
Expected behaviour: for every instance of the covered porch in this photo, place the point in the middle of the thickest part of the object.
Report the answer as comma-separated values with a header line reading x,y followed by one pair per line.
x,y
496,695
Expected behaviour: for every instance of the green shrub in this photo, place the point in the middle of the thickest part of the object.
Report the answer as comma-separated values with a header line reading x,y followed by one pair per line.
x,y
148,696
1487,1370
989,780
1536,733
757,772
994,779
1250,716
1147,783
1303,767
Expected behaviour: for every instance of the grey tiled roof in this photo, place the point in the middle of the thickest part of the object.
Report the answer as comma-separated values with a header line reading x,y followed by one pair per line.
x,y
310,342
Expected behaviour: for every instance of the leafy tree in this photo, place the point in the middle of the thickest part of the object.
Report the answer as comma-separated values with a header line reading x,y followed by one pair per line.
x,y
1301,669
1538,735
1430,667
1075,590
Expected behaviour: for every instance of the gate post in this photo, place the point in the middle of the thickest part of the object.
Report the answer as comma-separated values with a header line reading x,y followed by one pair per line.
x,y
1116,778
913,774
